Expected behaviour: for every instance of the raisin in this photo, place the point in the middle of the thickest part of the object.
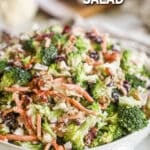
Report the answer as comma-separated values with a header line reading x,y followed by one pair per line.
x,y
94,55
59,58
11,120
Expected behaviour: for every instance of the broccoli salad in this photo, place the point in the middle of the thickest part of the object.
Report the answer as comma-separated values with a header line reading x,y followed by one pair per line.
x,y
64,88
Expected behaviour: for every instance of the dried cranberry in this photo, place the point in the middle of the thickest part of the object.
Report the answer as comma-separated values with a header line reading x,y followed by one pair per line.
x,y
126,85
66,29
26,100
90,35
90,136
148,87
94,55
94,37
110,84
98,39
115,94
60,58
11,120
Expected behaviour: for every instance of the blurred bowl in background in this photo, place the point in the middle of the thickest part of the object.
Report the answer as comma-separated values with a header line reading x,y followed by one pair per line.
x,y
17,12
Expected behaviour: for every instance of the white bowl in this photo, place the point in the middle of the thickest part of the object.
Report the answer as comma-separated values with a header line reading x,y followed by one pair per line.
x,y
125,143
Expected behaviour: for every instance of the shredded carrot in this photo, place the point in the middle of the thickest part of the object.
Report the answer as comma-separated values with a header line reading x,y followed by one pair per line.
x,y
79,90
15,97
25,138
39,119
26,122
56,146
17,89
77,104
111,56
29,118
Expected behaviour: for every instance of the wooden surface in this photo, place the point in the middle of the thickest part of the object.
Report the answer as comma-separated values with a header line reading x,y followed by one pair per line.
x,y
85,10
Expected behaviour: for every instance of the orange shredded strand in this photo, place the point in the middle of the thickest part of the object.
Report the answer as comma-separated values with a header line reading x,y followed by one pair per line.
x,y
77,105
25,138
39,119
79,90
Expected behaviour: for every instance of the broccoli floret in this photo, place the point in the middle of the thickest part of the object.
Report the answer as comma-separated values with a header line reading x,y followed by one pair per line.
x,y
98,90
29,45
112,114
45,111
14,75
107,134
125,61
23,76
3,65
81,45
131,118
48,55
81,77
46,127
74,59
76,134
145,72
59,39
134,81
5,99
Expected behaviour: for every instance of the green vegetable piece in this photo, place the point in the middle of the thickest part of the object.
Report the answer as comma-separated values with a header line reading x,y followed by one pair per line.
x,y
74,59
5,99
59,39
81,45
131,118
29,45
3,65
145,72
48,55
135,81
14,75
76,134
107,134
98,89
46,127
125,61
80,76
